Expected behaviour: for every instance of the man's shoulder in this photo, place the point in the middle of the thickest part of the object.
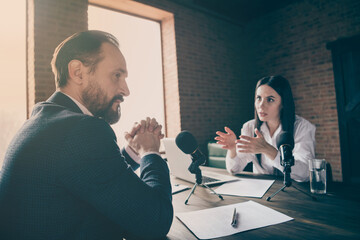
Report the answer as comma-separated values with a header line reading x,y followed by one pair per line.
x,y
48,108
47,115
51,117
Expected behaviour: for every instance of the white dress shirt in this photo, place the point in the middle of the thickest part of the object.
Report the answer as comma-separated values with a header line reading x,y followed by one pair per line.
x,y
304,150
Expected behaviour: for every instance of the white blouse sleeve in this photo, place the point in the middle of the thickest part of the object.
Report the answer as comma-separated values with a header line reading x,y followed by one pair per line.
x,y
239,162
304,149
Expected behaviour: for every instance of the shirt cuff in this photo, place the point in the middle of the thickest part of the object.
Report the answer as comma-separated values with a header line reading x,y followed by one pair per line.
x,y
135,156
232,163
132,154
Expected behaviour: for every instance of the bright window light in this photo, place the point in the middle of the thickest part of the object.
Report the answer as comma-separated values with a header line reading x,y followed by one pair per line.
x,y
13,71
140,43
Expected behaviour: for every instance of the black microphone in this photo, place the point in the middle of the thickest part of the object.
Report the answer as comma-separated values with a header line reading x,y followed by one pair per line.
x,y
285,144
187,143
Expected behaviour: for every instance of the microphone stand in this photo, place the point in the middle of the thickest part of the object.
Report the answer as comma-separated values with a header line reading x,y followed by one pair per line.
x,y
287,183
194,169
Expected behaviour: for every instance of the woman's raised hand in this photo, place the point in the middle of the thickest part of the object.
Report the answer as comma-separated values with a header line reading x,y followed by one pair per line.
x,y
256,145
253,145
227,140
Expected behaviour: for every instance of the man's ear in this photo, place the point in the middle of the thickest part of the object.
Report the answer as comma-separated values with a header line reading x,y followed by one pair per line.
x,y
76,68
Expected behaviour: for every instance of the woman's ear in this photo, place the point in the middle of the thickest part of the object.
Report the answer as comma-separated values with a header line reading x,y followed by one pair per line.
x,y
75,68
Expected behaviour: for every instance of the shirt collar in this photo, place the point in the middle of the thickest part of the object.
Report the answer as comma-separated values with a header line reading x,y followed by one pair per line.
x,y
82,107
265,130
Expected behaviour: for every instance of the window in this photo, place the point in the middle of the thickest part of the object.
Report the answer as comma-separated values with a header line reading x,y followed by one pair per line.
x,y
140,43
13,71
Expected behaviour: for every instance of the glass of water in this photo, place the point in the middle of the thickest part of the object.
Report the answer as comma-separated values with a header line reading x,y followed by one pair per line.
x,y
317,169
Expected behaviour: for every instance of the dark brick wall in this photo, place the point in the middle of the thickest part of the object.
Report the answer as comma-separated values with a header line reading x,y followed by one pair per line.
x,y
49,22
214,89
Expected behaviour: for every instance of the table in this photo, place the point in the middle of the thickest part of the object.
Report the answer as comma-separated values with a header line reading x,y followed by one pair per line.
x,y
333,216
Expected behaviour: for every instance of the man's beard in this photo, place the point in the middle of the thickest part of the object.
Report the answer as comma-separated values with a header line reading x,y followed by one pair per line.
x,y
96,102
109,115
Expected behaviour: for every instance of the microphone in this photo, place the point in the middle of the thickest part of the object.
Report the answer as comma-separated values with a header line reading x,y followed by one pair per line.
x,y
285,144
187,143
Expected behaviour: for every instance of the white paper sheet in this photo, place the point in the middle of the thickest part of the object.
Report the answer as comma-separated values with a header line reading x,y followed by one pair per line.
x,y
216,222
245,187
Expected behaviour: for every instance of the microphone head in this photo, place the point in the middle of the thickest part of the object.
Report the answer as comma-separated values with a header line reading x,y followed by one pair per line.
x,y
285,138
186,142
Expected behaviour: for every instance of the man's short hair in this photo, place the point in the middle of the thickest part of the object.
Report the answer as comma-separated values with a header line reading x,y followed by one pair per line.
x,y
83,46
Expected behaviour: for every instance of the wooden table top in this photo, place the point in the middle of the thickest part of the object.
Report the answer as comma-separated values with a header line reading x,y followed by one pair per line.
x,y
332,216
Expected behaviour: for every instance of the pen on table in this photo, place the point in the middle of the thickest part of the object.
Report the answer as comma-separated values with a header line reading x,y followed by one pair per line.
x,y
234,218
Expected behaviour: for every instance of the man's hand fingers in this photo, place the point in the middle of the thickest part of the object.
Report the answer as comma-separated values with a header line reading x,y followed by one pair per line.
x,y
147,123
153,124
143,126
134,129
157,130
128,137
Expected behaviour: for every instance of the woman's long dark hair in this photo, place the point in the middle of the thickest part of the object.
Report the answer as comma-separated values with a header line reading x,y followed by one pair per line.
x,y
287,113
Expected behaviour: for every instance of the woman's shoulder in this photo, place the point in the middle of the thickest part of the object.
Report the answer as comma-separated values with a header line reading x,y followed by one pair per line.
x,y
302,123
248,128
249,124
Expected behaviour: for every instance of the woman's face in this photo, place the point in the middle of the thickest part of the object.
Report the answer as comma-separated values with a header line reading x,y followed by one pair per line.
x,y
267,104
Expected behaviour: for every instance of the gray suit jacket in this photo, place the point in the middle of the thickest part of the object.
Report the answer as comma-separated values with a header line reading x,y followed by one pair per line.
x,y
64,177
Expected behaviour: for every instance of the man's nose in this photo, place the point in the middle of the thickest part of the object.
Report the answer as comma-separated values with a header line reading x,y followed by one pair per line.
x,y
124,89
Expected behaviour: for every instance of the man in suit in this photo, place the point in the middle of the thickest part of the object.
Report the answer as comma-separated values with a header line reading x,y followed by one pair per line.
x,y
64,176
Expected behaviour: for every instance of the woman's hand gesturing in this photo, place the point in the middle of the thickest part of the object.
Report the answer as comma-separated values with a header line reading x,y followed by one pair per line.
x,y
256,145
227,140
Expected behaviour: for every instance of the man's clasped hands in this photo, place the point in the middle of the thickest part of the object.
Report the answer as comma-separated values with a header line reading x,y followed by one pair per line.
x,y
145,136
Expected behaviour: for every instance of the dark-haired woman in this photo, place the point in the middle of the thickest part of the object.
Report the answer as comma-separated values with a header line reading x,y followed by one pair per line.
x,y
274,112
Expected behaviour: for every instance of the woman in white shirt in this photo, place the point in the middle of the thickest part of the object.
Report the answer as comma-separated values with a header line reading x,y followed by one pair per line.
x,y
274,112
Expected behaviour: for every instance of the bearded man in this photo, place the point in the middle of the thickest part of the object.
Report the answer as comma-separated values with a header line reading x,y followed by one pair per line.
x,y
64,176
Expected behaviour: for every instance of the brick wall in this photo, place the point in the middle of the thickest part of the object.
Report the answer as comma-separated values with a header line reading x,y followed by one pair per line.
x,y
219,61
49,22
292,42
214,91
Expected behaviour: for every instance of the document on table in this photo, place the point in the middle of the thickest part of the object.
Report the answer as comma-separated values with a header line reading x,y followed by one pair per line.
x,y
216,222
246,187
